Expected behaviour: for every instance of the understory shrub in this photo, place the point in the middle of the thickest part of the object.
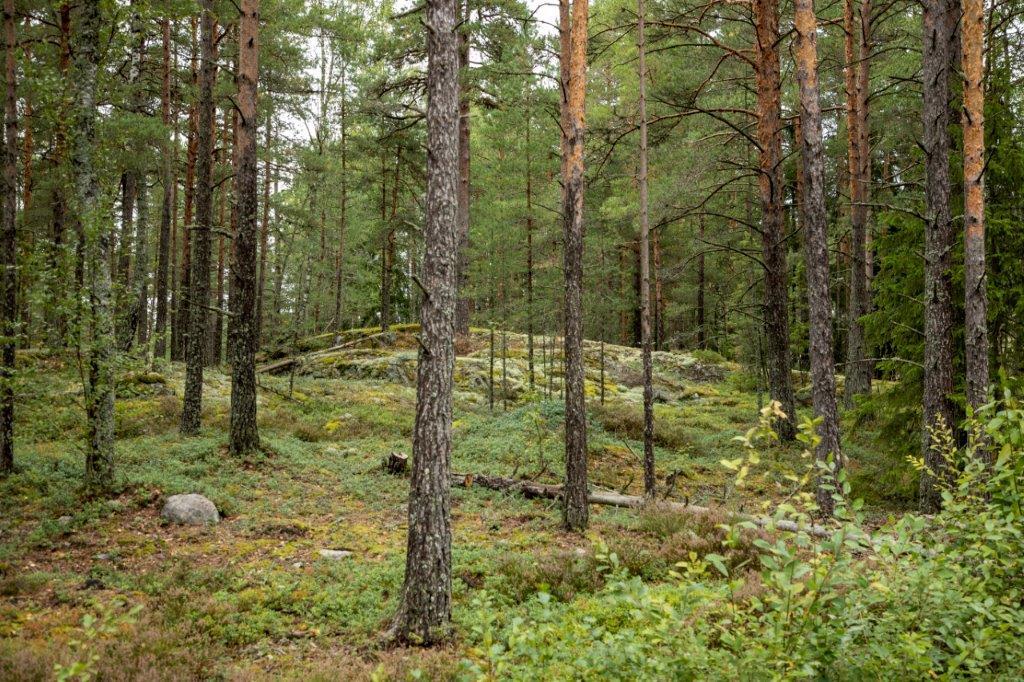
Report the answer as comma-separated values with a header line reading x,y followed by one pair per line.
x,y
920,598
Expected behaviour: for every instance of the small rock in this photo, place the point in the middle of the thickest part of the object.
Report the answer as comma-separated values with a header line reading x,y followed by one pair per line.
x,y
334,553
191,509
65,520
297,564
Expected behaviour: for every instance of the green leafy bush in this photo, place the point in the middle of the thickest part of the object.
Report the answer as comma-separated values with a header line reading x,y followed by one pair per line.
x,y
919,598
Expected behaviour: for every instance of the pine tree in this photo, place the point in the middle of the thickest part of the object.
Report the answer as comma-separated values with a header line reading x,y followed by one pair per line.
x,y
823,378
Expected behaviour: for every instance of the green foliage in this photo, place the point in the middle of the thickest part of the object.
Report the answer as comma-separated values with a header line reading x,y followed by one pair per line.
x,y
110,620
926,598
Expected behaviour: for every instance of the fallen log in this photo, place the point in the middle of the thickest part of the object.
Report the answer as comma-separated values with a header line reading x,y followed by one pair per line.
x,y
531,489
285,363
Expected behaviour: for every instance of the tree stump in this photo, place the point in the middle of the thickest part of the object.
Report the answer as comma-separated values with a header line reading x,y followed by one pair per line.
x,y
396,463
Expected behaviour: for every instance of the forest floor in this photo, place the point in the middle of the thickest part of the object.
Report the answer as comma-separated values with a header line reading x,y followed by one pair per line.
x,y
253,598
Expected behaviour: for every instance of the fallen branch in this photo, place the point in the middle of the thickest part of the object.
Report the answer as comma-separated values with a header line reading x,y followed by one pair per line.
x,y
529,489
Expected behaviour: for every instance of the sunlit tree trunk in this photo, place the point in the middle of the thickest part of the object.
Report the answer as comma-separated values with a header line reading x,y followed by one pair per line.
x,y
972,34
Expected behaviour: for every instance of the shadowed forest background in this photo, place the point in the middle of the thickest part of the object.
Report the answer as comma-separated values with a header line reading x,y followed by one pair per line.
x,y
644,339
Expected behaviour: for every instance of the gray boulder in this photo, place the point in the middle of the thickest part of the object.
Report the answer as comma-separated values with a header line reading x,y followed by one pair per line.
x,y
191,509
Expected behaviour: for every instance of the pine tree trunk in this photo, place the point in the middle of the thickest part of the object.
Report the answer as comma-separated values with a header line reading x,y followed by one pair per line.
x,y
425,610
702,332
339,259
8,246
938,287
645,265
773,232
972,33
135,318
244,328
529,253
575,511
58,285
99,461
823,389
199,294
164,245
462,305
184,311
858,370
265,226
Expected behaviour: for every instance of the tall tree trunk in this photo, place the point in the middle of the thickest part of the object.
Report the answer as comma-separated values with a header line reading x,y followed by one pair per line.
x,y
133,280
225,223
972,33
823,378
575,511
99,461
645,265
244,328
938,285
658,330
8,246
529,250
134,319
773,230
166,208
702,332
425,609
339,258
462,305
858,370
184,311
265,226
122,272
199,294
57,323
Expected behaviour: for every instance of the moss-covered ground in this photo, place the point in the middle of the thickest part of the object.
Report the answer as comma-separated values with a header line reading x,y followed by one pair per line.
x,y
252,598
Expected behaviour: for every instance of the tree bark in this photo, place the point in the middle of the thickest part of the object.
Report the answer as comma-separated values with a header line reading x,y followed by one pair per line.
x,y
265,224
645,265
938,284
164,245
773,231
858,370
134,320
823,377
339,262
972,33
529,249
199,294
702,332
244,333
425,610
184,311
462,305
575,511
57,323
99,461
8,246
